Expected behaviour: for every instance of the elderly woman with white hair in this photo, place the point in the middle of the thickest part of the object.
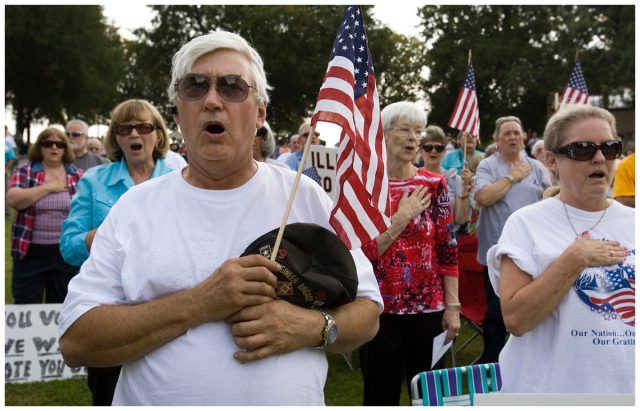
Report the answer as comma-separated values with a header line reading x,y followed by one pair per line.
x,y
263,146
415,262
564,268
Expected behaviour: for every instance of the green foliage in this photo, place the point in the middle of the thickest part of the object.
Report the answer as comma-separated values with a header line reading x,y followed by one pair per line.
x,y
61,62
523,54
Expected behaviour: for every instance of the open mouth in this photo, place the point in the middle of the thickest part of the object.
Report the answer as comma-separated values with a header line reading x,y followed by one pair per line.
x,y
597,174
136,146
214,128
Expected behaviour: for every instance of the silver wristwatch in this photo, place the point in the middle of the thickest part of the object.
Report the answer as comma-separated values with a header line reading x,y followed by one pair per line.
x,y
330,331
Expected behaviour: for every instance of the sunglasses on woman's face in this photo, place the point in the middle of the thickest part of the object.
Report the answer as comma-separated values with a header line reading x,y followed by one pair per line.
x,y
586,150
193,87
49,144
127,129
429,147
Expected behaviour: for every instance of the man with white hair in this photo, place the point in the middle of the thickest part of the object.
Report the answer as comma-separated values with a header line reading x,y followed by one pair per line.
x,y
191,322
303,132
77,131
294,147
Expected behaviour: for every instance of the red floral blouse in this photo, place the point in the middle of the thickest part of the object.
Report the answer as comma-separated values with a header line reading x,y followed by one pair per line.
x,y
410,272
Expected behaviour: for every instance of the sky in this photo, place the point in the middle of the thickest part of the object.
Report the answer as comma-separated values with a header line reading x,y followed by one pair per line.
x,y
129,15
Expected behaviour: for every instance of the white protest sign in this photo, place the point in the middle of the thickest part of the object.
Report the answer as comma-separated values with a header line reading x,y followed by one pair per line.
x,y
324,159
31,350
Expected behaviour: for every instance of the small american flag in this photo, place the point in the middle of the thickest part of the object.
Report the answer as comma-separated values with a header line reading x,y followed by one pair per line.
x,y
615,291
575,92
349,98
466,116
312,173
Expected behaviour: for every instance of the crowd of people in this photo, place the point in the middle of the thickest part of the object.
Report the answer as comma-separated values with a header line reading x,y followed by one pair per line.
x,y
164,311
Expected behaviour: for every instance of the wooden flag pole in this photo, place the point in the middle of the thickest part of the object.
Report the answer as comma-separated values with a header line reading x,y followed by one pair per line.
x,y
577,53
292,195
464,143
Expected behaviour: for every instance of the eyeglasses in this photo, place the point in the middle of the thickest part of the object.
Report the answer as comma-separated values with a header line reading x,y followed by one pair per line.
x,y
73,134
586,150
429,147
49,144
127,129
406,131
193,87
305,135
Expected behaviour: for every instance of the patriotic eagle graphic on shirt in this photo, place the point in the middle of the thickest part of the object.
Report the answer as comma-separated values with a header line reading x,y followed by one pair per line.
x,y
610,290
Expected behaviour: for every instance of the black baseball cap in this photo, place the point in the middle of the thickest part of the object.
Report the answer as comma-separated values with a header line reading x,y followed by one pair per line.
x,y
318,270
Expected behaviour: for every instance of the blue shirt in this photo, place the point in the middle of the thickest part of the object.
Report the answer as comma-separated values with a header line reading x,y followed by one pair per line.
x,y
453,159
293,161
98,191
8,153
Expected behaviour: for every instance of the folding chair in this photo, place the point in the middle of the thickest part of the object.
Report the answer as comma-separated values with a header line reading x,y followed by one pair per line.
x,y
470,292
446,387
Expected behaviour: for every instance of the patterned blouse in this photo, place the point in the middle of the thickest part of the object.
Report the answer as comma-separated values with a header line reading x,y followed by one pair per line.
x,y
26,176
410,272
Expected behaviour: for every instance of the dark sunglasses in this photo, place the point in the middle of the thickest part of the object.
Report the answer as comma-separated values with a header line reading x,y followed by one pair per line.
x,y
127,129
586,150
429,147
73,134
49,144
193,87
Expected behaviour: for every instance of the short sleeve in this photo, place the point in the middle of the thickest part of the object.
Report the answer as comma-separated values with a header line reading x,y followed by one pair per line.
x,y
483,176
99,281
515,242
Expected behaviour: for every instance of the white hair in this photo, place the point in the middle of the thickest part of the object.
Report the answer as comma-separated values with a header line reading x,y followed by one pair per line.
x,y
408,110
186,57
268,141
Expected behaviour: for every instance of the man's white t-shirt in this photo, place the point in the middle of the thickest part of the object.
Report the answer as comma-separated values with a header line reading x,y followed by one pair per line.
x,y
586,345
175,160
164,236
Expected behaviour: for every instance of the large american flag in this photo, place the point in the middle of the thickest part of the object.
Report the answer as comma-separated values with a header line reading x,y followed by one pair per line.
x,y
466,116
349,98
575,92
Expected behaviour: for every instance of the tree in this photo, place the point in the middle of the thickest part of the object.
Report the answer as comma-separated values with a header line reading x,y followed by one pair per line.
x,y
294,41
523,54
61,62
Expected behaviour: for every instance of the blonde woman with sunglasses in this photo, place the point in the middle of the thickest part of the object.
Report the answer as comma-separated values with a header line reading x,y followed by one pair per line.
x,y
136,143
40,191
565,270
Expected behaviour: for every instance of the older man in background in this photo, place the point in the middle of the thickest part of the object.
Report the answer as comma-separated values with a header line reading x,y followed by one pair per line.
x,y
77,131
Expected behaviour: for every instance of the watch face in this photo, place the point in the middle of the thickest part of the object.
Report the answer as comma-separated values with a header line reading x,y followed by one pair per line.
x,y
332,333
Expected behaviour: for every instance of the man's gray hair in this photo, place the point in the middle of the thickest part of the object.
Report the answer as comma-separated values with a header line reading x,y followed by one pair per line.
x,y
186,57
84,125
268,141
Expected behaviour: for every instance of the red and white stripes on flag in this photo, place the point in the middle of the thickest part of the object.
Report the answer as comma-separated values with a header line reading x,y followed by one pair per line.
x,y
575,92
349,98
466,116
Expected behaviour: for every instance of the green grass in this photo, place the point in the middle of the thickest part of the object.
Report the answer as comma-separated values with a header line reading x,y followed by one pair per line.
x,y
344,386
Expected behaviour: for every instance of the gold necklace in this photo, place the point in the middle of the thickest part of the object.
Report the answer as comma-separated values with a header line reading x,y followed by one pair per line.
x,y
584,234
